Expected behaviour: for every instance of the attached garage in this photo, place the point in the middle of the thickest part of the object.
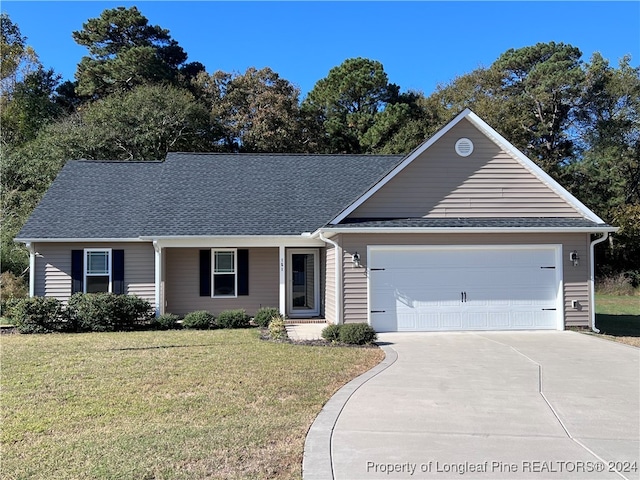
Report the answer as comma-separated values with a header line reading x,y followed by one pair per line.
x,y
448,288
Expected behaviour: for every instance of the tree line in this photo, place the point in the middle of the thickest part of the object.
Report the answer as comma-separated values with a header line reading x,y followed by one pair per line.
x,y
135,97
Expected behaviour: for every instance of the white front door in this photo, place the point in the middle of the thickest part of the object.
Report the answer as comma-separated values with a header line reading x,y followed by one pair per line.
x,y
303,283
419,288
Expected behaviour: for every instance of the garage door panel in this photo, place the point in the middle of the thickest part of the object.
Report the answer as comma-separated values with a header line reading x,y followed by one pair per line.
x,y
466,289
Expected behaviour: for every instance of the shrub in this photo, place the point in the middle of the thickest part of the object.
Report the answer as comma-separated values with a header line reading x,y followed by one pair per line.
x,y
233,319
277,329
357,334
39,315
331,333
13,289
8,308
264,316
166,321
107,312
199,320
621,284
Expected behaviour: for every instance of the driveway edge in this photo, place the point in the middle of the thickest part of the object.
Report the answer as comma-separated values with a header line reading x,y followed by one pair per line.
x,y
317,463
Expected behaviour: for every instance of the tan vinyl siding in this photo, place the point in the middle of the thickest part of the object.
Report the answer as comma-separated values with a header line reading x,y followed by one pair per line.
x,y
330,285
53,268
488,183
182,283
575,279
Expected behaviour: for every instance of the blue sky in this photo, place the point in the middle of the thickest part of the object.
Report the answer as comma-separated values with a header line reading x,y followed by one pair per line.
x,y
420,44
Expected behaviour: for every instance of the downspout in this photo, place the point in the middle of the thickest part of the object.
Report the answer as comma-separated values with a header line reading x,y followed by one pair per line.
x,y
32,269
338,277
592,279
158,277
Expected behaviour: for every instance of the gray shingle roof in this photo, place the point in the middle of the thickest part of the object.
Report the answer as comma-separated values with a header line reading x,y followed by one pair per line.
x,y
489,222
203,194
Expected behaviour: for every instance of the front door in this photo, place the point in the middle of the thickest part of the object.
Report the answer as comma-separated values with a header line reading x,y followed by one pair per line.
x,y
303,283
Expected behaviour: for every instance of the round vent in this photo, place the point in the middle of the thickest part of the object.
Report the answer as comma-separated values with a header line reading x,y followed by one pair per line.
x,y
464,147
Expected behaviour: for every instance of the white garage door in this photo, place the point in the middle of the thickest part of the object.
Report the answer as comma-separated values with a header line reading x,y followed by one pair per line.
x,y
421,288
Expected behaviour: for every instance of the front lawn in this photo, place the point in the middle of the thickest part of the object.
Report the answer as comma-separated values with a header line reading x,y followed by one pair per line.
x,y
618,317
164,405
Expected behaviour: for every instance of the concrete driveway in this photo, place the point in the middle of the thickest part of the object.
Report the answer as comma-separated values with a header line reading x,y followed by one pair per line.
x,y
538,405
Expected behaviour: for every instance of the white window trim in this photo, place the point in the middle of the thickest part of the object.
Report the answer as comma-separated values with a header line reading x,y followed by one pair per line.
x,y
213,271
86,264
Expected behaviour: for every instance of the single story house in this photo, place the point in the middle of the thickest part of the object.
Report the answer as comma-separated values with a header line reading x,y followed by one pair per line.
x,y
464,233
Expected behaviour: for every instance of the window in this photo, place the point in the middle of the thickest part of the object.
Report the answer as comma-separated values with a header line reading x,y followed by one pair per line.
x,y
224,273
232,267
97,273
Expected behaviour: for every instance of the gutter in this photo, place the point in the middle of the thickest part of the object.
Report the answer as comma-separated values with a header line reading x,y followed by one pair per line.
x,y
592,279
338,277
449,230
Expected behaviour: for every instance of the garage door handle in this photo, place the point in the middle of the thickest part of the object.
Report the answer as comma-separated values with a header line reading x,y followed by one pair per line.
x,y
378,311
548,309
463,297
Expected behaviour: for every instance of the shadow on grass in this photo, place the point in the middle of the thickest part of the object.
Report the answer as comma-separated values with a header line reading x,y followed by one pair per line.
x,y
618,325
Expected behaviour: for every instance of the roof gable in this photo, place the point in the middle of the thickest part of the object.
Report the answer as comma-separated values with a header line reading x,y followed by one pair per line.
x,y
496,180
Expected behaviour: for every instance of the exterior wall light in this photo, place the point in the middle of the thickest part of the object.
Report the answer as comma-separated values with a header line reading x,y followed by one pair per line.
x,y
356,260
573,257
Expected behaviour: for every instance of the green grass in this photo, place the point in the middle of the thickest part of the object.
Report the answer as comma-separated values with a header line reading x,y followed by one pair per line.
x,y
164,405
619,316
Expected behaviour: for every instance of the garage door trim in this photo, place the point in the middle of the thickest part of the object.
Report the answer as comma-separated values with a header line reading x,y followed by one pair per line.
x,y
556,248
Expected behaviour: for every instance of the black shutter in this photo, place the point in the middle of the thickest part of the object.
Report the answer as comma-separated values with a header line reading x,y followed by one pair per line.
x,y
117,274
77,271
243,272
205,273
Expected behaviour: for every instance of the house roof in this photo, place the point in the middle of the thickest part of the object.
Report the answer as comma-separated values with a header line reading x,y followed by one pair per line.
x,y
195,194
232,195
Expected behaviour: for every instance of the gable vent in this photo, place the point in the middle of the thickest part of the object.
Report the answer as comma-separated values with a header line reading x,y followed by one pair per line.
x,y
464,147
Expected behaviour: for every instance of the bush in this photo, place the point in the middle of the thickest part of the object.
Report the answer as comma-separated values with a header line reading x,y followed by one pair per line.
x,y
13,290
39,315
166,321
200,320
233,319
357,334
264,316
331,333
277,329
621,284
107,312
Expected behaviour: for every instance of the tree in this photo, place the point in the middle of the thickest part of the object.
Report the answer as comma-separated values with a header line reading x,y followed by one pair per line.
x,y
17,59
542,85
125,51
401,126
33,104
345,104
145,124
607,176
257,111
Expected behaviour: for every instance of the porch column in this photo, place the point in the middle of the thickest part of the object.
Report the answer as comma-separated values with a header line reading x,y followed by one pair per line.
x,y
32,269
158,277
282,304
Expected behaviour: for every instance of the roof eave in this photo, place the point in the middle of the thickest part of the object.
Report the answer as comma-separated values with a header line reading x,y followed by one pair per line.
x,y
75,240
440,230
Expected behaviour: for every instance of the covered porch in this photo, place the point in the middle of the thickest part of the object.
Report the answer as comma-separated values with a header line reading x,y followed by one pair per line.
x,y
222,273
